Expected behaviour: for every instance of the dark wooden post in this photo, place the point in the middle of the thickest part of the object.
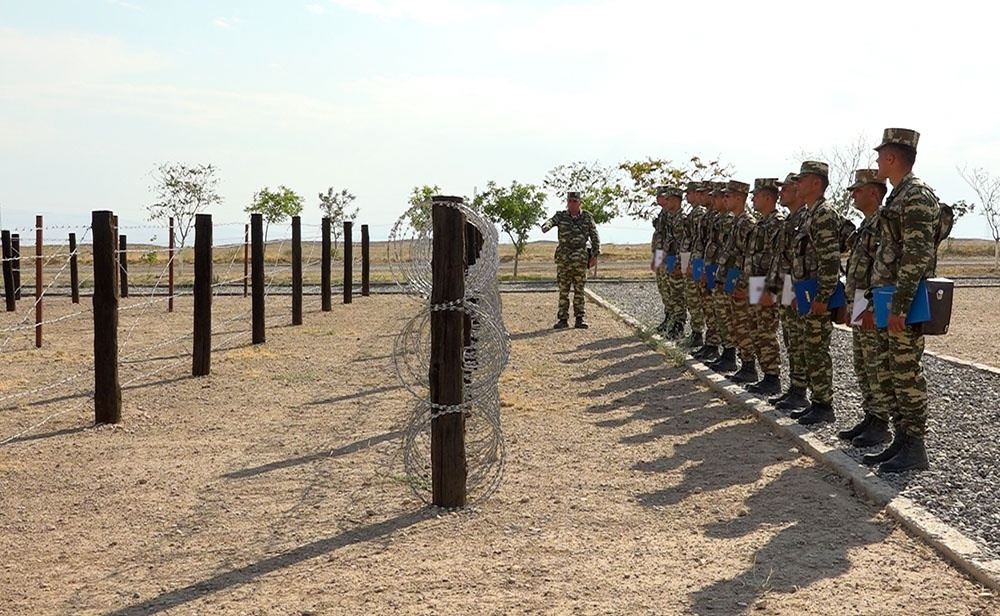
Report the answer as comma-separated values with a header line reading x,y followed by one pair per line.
x,y
202,360
246,258
326,263
15,253
123,262
74,270
348,262
296,270
38,281
365,265
448,465
257,275
8,272
107,389
170,266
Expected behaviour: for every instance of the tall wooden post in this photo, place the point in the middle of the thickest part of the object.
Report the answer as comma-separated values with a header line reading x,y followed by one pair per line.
x,y
257,275
246,258
15,253
74,270
123,262
448,464
107,389
202,355
38,281
348,262
365,264
171,248
326,263
8,272
296,270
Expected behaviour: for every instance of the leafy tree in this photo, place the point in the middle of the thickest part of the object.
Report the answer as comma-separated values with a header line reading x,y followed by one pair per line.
x,y
275,206
420,205
182,191
843,161
600,188
644,176
337,207
960,208
517,209
987,188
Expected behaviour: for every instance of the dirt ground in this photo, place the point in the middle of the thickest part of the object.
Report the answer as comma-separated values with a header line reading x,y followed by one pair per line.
x,y
274,486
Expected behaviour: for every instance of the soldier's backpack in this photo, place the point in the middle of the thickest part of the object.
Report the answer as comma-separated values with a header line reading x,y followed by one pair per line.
x,y
946,221
847,234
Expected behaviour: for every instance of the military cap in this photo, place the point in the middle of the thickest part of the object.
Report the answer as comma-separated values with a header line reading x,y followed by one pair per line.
x,y
760,184
693,186
737,187
573,196
790,178
866,176
814,167
899,136
717,188
669,191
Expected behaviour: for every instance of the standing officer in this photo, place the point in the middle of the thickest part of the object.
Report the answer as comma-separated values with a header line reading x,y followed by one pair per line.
x,y
867,193
673,236
665,242
761,253
817,256
739,307
576,227
689,243
907,253
706,249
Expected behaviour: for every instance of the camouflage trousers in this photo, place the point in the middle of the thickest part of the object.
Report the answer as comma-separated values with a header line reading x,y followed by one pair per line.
x,y
742,328
792,334
672,294
901,379
764,323
571,274
713,337
722,310
693,301
874,396
816,332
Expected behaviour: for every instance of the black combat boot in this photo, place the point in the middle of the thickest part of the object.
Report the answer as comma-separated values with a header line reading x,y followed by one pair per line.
x,y
875,433
912,456
696,340
677,331
709,352
888,453
747,373
726,361
580,323
767,386
818,412
664,324
794,400
847,435
561,324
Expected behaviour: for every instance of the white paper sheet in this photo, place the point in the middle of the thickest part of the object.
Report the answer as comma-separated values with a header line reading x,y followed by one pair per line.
x,y
685,260
787,291
658,257
755,286
860,304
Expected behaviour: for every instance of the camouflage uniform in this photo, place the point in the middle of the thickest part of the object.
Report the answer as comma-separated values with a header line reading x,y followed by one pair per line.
x,y
721,227
572,256
817,255
690,243
906,254
762,252
791,323
667,231
739,309
660,228
706,230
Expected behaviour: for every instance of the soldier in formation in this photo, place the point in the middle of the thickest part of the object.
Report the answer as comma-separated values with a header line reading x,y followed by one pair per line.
x,y
668,234
573,258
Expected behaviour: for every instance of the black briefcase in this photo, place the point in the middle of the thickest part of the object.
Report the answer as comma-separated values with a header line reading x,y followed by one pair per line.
x,y
941,292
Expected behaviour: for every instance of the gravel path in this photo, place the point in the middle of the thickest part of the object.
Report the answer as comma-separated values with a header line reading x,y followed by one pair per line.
x,y
964,423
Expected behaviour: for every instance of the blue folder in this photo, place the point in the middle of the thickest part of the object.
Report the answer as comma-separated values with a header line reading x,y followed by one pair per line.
x,y
710,271
732,278
839,297
805,293
697,268
920,307
671,263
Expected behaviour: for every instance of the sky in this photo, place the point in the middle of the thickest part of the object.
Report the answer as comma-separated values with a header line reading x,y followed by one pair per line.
x,y
379,96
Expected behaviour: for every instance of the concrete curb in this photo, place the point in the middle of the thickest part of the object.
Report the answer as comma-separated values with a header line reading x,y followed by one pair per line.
x,y
961,551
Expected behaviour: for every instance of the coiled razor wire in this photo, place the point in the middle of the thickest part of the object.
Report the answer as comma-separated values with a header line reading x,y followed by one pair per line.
x,y
483,359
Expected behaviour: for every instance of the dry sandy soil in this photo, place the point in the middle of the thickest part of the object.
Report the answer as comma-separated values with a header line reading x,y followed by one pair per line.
x,y
274,487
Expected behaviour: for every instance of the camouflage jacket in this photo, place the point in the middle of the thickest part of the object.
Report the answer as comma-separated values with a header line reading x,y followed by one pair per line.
x,y
859,263
718,233
784,249
907,251
690,242
817,248
678,232
665,231
573,235
762,246
736,244
658,228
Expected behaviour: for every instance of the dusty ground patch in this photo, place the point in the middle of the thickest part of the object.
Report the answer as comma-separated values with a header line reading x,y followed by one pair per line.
x,y
273,487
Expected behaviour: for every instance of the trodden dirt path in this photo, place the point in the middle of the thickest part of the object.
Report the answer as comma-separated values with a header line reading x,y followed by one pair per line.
x,y
273,487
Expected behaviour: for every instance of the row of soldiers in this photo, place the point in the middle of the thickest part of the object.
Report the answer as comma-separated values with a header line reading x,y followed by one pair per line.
x,y
710,259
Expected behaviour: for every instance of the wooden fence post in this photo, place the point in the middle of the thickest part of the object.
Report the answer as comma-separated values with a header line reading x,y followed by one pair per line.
x,y
246,258
202,355
107,389
123,262
170,265
74,270
38,281
8,272
326,262
348,262
448,464
257,275
365,264
15,253
296,270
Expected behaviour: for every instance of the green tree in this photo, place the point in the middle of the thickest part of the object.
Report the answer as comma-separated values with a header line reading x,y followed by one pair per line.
x,y
420,205
182,191
643,177
337,207
517,209
601,188
275,206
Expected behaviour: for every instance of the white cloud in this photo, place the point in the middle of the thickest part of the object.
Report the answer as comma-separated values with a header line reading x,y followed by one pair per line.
x,y
433,12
